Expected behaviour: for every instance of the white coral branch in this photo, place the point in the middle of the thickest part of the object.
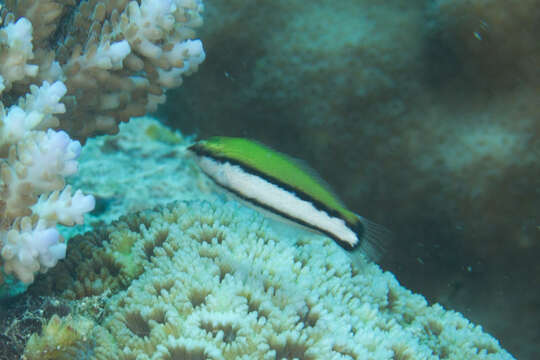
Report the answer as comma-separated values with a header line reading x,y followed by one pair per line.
x,y
45,99
37,166
29,248
64,208
34,112
16,38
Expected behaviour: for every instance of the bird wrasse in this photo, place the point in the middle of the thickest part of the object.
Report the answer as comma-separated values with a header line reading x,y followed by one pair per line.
x,y
284,186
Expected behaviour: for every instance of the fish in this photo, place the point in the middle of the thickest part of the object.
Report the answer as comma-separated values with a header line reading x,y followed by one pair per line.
x,y
284,186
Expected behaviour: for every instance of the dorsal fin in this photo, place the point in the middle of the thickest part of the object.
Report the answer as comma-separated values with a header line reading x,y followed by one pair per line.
x,y
302,164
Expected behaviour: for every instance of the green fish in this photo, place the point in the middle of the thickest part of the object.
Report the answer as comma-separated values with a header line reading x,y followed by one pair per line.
x,y
278,183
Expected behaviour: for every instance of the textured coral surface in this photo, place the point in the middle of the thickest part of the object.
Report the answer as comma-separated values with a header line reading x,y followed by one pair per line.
x,y
214,280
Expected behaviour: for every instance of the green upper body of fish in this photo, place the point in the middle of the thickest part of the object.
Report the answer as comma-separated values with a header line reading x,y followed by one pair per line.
x,y
280,184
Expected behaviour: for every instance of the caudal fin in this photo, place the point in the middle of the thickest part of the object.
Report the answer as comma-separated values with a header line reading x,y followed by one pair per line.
x,y
376,239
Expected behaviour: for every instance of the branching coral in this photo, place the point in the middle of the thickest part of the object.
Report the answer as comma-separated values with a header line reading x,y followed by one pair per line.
x,y
106,61
33,196
116,57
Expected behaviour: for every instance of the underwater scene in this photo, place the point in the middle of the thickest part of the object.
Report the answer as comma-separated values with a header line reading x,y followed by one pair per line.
x,y
271,179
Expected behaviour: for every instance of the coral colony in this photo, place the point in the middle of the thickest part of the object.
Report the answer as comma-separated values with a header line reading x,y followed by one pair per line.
x,y
109,62
213,280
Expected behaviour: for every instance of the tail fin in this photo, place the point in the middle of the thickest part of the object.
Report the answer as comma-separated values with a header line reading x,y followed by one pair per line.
x,y
375,240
